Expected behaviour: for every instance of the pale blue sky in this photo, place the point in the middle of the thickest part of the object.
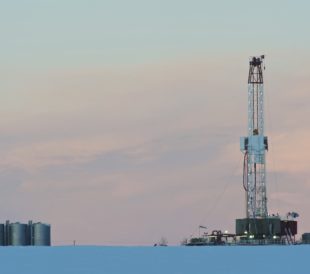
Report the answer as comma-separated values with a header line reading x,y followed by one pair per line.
x,y
76,33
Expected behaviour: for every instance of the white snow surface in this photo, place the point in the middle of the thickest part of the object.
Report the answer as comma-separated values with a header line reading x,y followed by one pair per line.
x,y
161,260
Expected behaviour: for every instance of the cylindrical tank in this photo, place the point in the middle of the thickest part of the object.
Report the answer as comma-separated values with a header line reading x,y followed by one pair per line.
x,y
17,234
41,234
2,235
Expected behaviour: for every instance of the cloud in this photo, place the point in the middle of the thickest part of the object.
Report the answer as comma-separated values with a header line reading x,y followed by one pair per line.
x,y
289,151
151,149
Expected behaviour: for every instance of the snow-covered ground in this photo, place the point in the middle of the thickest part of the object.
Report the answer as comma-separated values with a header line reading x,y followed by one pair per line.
x,y
161,260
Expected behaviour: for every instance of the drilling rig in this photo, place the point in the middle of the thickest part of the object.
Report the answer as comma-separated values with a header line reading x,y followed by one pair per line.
x,y
255,144
258,224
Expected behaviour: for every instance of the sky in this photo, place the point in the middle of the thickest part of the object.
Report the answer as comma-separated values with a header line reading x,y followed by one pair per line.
x,y
120,120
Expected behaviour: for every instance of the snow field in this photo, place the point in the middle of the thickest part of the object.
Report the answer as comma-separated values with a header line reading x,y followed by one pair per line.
x,y
159,260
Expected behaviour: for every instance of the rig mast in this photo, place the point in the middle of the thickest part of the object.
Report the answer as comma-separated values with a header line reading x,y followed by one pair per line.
x,y
258,226
255,144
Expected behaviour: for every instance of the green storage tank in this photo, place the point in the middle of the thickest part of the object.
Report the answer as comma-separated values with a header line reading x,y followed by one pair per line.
x,y
41,234
17,234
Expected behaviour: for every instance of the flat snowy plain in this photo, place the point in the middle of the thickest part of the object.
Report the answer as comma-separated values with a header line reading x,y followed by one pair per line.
x,y
161,260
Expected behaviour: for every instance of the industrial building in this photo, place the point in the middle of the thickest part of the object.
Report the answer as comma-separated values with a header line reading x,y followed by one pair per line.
x,y
31,234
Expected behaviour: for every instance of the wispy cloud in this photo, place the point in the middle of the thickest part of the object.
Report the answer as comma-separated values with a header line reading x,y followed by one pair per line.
x,y
151,149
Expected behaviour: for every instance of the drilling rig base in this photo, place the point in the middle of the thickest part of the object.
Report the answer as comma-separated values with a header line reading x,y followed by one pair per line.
x,y
266,228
